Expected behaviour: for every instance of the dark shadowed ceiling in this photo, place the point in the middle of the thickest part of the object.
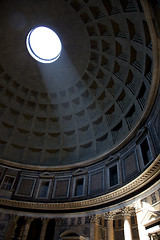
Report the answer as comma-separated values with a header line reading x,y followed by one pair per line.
x,y
85,104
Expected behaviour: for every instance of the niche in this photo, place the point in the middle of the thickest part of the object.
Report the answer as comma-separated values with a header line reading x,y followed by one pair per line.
x,y
113,176
79,186
146,152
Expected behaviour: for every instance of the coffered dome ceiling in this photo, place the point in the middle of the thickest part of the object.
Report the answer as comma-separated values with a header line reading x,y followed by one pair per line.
x,y
84,104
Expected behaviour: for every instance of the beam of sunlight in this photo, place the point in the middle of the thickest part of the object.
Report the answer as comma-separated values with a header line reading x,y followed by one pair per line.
x,y
60,75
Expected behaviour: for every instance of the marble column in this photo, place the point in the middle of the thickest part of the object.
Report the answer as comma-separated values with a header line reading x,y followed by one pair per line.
x,y
27,226
126,212
44,227
94,226
110,231
11,227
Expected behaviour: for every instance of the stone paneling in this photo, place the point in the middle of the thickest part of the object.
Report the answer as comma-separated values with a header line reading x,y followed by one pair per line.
x,y
25,187
130,166
61,188
96,181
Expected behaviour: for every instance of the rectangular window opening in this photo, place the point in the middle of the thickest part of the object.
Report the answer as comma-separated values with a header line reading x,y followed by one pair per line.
x,y
146,153
113,176
79,187
43,192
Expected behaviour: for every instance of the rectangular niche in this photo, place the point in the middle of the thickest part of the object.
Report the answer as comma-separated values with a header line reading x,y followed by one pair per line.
x,y
43,189
113,175
146,152
130,166
25,187
61,188
78,187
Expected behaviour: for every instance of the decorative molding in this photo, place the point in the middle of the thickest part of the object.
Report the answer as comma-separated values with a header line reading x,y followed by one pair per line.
x,y
28,219
109,215
58,221
46,175
126,211
13,218
113,158
150,173
95,219
80,172
45,220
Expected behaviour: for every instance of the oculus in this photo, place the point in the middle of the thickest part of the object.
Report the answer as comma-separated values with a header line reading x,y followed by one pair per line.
x,y
43,44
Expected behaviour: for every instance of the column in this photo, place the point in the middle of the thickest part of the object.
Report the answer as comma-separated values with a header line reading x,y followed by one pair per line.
x,y
126,212
94,225
27,226
11,227
43,229
21,233
110,231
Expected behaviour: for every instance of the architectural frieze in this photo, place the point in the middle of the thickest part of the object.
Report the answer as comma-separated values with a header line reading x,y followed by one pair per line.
x,y
151,172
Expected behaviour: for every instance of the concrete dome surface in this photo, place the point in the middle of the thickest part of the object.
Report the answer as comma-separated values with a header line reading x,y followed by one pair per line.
x,y
87,102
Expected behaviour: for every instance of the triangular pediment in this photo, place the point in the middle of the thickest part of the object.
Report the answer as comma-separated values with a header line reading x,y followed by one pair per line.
x,y
149,216
79,172
113,158
46,175
152,217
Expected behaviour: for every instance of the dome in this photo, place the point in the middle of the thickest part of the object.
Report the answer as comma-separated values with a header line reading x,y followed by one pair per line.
x,y
87,103
80,131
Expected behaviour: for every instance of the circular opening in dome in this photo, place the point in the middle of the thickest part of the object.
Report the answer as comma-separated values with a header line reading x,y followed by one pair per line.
x,y
43,44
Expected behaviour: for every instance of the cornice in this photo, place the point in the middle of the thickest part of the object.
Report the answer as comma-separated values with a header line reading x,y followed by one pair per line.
x,y
149,174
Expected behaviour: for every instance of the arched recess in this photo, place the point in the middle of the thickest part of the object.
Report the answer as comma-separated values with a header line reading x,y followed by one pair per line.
x,y
70,235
